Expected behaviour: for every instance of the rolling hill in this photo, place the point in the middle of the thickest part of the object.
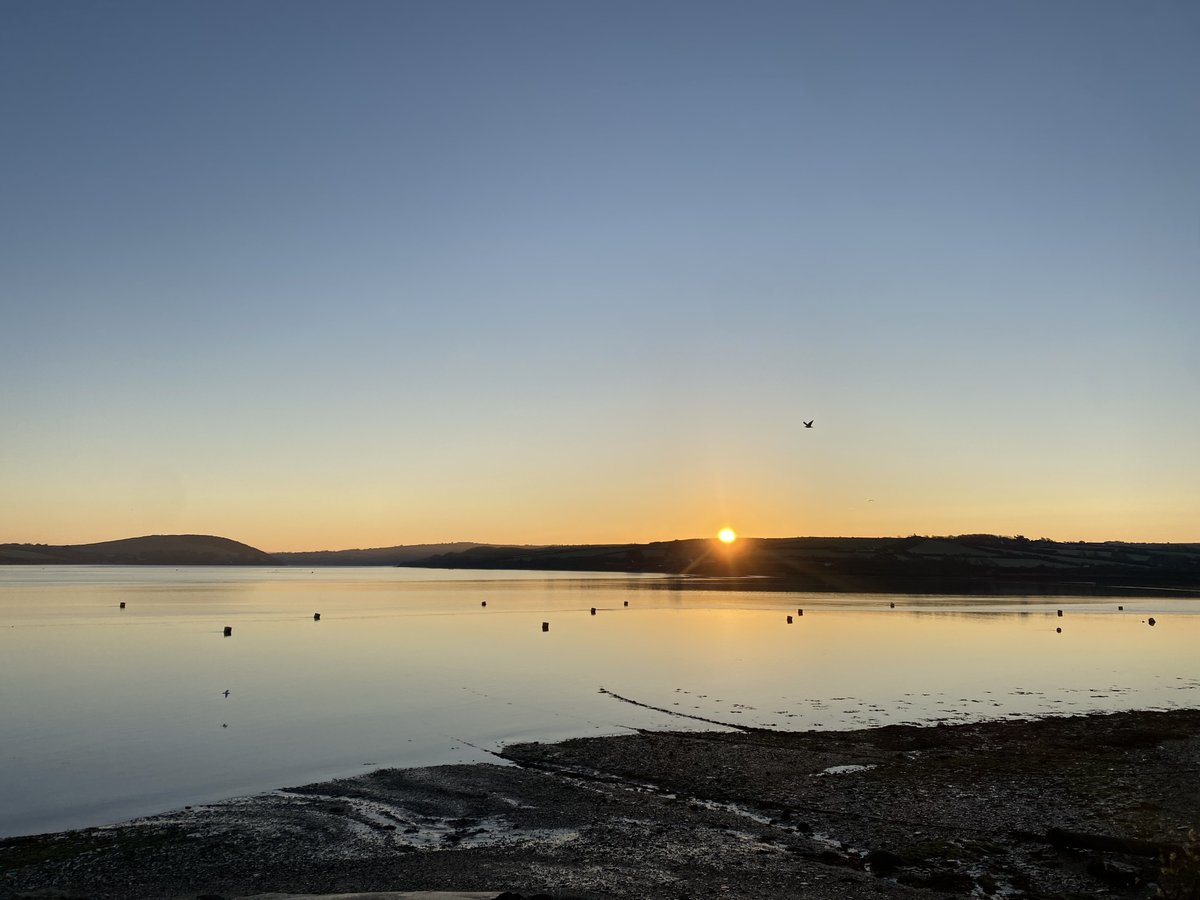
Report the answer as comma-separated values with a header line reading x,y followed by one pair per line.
x,y
376,556
153,550
967,563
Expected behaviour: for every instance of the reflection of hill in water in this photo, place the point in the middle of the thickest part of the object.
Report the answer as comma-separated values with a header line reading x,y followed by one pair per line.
x,y
966,563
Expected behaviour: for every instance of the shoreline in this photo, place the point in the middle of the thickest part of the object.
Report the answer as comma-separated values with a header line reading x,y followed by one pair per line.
x,y
1053,807
991,586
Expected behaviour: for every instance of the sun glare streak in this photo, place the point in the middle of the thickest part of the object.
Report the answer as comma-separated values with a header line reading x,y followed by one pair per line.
x,y
726,535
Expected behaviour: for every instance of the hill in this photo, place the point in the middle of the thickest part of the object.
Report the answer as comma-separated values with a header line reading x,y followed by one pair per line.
x,y
962,563
154,550
377,556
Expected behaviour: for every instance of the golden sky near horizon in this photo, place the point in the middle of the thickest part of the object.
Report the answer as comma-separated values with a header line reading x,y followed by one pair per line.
x,y
828,496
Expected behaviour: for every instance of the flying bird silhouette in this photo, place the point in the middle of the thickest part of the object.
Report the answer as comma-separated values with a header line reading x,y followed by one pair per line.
x,y
808,424
225,692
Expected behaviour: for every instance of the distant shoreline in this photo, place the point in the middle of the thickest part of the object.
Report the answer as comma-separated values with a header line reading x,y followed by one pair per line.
x,y
850,584
984,565
664,581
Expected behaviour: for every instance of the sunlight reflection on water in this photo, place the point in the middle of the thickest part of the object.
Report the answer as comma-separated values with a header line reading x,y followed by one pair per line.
x,y
111,713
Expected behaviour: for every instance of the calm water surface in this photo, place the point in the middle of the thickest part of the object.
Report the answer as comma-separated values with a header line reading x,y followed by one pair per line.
x,y
107,714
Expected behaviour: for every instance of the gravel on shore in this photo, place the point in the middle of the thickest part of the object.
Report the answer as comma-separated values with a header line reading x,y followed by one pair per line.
x,y
1084,806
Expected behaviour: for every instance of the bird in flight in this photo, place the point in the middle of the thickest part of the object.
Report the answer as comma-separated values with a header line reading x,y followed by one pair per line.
x,y
808,424
225,692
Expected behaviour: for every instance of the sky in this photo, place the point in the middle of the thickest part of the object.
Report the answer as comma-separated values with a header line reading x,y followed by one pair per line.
x,y
329,275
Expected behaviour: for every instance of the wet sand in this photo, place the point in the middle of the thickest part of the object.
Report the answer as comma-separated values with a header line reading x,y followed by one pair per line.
x,y
1060,807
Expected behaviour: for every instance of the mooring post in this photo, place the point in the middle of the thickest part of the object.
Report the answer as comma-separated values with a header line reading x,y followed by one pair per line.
x,y
316,617
122,604
789,620
228,630
545,626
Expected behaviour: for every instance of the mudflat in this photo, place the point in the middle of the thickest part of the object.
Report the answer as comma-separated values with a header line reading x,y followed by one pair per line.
x,y
1086,806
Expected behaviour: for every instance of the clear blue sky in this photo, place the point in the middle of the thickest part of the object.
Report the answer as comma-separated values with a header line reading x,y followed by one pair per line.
x,y
364,273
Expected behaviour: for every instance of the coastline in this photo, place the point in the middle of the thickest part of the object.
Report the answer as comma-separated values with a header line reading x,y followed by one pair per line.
x,y
1056,807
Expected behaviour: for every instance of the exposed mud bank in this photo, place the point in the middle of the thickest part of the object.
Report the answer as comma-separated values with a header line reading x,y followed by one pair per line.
x,y
1073,807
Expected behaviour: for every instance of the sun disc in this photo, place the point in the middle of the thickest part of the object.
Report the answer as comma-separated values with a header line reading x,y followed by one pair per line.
x,y
726,535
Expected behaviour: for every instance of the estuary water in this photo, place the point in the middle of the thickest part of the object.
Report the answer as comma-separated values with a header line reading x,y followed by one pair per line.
x,y
109,713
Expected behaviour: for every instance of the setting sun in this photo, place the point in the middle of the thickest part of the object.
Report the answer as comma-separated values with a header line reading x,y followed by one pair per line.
x,y
727,535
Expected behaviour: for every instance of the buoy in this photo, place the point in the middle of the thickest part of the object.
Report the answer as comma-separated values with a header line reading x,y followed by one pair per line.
x,y
1150,621
789,620
316,617
545,626
593,610
1060,613
228,630
122,604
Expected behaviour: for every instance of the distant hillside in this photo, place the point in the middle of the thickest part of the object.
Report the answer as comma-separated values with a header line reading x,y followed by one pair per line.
x,y
378,556
967,563
155,550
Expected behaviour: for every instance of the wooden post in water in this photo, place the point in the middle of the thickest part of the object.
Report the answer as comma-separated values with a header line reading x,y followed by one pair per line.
x,y
545,626
799,612
1060,613
593,610
228,630
789,620
122,604
1150,621
1058,631
626,602
483,603
316,617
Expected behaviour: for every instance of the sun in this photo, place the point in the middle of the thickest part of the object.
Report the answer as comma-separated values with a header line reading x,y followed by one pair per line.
x,y
727,535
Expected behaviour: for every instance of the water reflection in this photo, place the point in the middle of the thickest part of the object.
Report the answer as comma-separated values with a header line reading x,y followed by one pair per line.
x,y
110,713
